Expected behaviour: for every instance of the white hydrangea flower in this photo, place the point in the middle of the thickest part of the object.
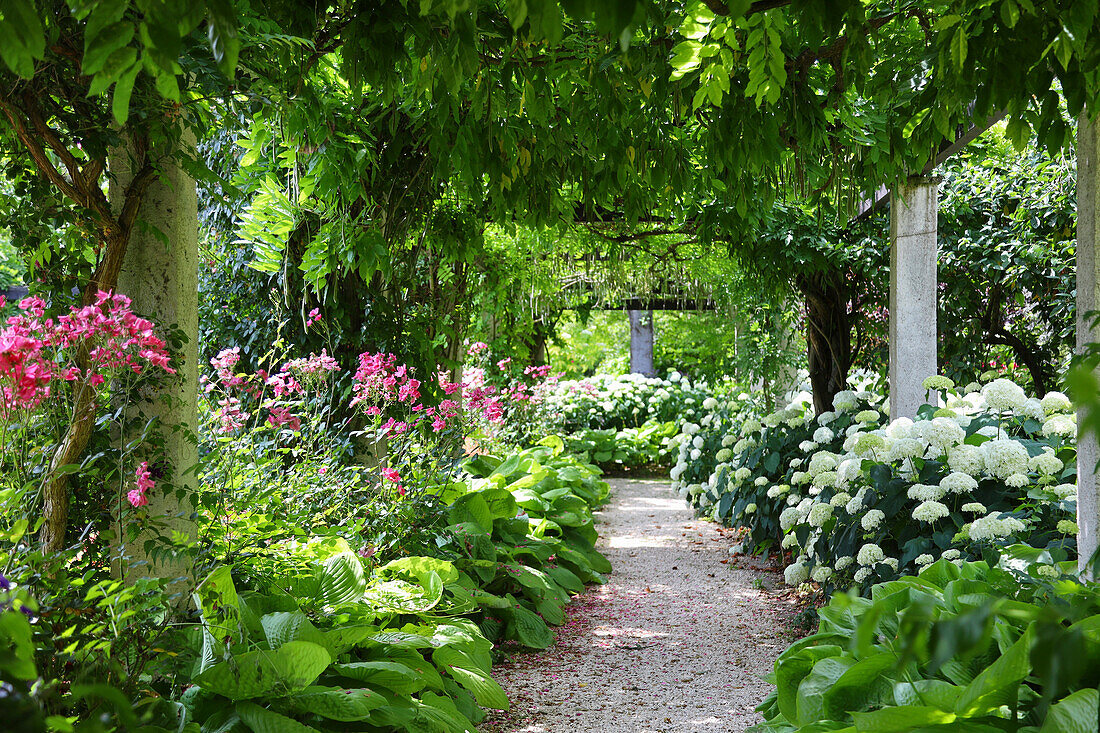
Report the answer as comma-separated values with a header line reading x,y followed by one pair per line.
x,y
796,462
924,492
951,554
849,470
974,507
1032,408
826,417
697,441
1047,571
967,459
840,499
938,382
1067,526
855,504
823,435
822,573
742,473
870,554
778,490
869,443
1065,491
842,562
1064,425
891,561
819,514
788,517
696,454
1004,457
1056,402
867,417
991,526
1045,464
924,559
872,519
930,511
690,428
942,434
773,419
728,440
900,428
903,448
862,574
741,446
796,574
845,401
972,387
710,403
807,446
723,455
750,509
853,429
761,481
789,541
1017,481
825,480
793,499
822,462
1004,394
958,482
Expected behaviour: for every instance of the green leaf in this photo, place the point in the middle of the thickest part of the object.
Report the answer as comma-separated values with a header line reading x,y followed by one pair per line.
x,y
530,630
1075,713
263,673
997,683
342,580
901,719
262,720
220,608
400,678
109,40
958,49
337,703
124,87
470,675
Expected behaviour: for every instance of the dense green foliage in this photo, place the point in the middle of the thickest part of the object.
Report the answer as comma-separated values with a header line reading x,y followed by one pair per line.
x,y
1006,645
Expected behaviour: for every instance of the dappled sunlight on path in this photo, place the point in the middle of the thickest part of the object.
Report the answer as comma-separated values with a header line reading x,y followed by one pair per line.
x,y
677,640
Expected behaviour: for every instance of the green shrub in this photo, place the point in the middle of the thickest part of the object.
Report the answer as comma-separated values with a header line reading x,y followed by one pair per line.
x,y
1008,645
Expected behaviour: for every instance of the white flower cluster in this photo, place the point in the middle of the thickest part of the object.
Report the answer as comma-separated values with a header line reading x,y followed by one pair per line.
x,y
992,526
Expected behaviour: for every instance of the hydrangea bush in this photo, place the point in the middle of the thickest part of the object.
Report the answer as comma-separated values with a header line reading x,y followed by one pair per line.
x,y
859,499
604,402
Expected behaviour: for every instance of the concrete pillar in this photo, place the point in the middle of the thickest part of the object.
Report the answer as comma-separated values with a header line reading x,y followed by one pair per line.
x,y
160,275
641,342
1088,300
914,209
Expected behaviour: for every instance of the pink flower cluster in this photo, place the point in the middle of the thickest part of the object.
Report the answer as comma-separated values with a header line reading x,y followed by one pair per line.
x,y
36,350
144,481
391,475
383,383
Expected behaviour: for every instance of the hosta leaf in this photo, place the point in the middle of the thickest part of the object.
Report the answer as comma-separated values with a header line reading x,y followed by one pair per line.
x,y
997,683
399,596
473,677
901,719
400,678
262,720
530,630
342,580
1076,713
420,567
216,598
283,627
263,673
337,703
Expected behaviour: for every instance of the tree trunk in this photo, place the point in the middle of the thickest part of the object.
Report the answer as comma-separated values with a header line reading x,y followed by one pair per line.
x,y
828,336
160,275
641,342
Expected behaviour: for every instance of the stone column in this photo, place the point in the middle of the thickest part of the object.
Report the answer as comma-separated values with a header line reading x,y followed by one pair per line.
x,y
641,342
914,208
160,274
1088,300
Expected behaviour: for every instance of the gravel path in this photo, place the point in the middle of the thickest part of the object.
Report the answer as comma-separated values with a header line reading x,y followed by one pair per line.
x,y
678,640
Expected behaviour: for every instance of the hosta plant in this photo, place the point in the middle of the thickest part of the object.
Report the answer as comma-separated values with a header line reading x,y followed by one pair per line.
x,y
1008,645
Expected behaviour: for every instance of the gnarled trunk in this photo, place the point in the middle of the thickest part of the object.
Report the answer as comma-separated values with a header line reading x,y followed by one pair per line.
x,y
828,336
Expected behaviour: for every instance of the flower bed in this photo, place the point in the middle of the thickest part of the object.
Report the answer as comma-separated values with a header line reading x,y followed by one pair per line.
x,y
858,499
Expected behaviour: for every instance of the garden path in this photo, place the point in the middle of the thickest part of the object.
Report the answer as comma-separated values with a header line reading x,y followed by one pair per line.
x,y
678,640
